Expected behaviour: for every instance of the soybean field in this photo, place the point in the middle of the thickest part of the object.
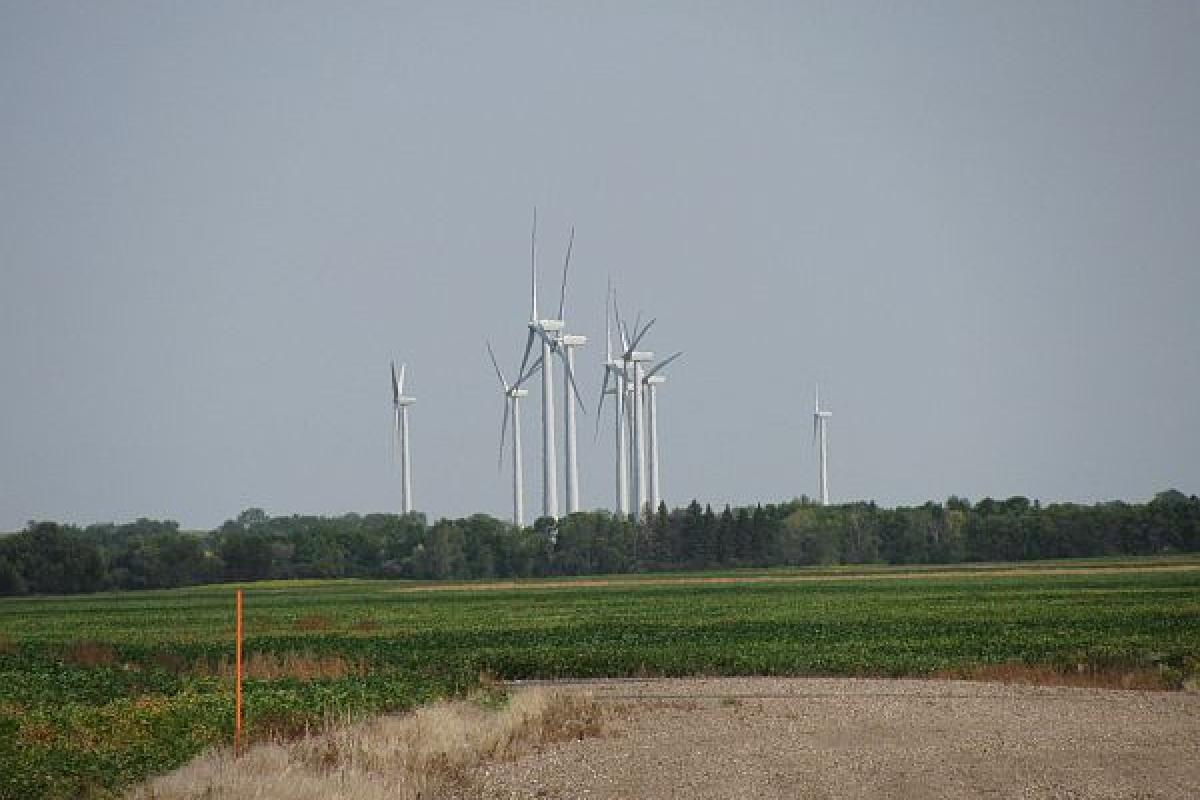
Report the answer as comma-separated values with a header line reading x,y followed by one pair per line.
x,y
99,691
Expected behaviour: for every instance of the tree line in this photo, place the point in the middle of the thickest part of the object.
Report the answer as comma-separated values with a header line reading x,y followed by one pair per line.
x,y
52,558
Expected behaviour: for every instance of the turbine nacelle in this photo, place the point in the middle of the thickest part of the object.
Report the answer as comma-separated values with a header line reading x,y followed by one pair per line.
x,y
405,401
655,380
572,340
641,355
518,392
398,386
547,325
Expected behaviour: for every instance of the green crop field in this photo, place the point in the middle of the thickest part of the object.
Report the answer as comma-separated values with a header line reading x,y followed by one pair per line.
x,y
98,691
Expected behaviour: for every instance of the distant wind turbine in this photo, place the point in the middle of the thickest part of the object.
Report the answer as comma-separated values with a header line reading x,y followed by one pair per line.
x,y
400,404
653,380
614,368
637,358
549,331
565,346
512,409
819,432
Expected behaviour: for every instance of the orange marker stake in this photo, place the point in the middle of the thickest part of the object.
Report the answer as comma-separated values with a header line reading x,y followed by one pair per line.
x,y
237,691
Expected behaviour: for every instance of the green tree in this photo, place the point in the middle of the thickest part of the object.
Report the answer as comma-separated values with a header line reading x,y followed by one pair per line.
x,y
54,559
11,582
246,556
725,538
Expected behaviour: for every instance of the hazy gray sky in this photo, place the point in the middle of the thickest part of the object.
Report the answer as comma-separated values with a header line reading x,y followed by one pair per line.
x,y
976,224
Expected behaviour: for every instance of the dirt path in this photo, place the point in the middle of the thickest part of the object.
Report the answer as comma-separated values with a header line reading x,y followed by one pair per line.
x,y
885,575
827,738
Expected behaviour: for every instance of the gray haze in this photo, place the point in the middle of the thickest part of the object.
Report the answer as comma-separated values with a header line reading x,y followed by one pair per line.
x,y
976,224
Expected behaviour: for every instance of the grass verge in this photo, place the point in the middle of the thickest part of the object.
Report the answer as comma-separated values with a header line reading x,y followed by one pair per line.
x,y
428,754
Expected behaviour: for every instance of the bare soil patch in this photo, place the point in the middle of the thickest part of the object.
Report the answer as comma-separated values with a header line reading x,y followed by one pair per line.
x,y
841,738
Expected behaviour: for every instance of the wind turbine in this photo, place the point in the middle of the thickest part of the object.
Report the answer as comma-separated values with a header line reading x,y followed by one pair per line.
x,y
512,408
565,345
637,358
548,330
653,380
400,404
615,368
819,418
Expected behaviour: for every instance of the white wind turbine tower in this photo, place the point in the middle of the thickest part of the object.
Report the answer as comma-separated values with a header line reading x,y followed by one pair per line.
x,y
512,409
400,404
630,438
546,330
819,423
652,381
615,368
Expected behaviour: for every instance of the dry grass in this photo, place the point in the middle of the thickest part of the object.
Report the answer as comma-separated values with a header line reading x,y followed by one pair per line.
x,y
302,666
1088,678
7,645
171,662
429,754
313,622
37,733
89,654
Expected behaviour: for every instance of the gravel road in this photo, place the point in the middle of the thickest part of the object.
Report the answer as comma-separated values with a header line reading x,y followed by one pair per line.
x,y
825,738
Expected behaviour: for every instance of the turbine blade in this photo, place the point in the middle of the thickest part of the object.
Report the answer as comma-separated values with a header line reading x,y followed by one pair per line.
x,y
638,339
533,268
528,346
401,382
816,424
503,432
658,367
496,366
603,392
571,378
532,371
395,387
562,297
607,325
622,331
